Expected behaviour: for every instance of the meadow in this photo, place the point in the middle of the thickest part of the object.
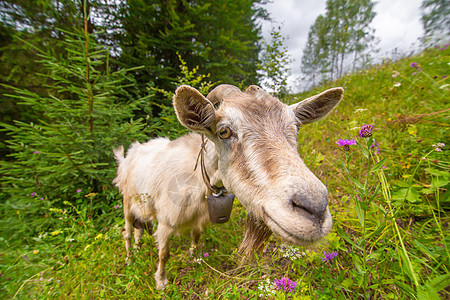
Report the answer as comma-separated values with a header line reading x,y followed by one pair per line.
x,y
388,190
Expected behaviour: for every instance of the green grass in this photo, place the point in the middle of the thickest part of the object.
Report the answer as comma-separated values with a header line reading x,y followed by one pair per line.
x,y
390,220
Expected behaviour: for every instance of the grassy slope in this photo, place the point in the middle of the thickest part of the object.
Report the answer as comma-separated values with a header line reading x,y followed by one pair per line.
x,y
92,264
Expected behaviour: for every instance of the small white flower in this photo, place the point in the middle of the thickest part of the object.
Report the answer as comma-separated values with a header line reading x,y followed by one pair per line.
x,y
397,84
441,145
267,288
199,260
292,252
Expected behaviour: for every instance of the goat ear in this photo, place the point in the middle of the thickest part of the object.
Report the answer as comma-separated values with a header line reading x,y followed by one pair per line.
x,y
318,106
193,110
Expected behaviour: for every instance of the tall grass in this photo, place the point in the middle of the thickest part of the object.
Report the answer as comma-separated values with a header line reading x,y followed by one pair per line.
x,y
389,203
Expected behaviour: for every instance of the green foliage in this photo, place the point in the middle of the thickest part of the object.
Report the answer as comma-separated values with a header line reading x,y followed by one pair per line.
x,y
275,63
78,124
220,37
435,20
344,32
167,124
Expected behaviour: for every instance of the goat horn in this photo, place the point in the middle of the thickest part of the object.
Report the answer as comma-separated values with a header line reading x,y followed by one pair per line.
x,y
222,91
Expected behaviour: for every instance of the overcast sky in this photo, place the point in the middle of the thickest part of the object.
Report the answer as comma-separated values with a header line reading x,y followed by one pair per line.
x,y
397,25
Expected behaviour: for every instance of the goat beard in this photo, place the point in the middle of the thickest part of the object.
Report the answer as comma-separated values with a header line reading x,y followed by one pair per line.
x,y
255,236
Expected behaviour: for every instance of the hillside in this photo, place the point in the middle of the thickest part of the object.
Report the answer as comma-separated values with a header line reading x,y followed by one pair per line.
x,y
388,197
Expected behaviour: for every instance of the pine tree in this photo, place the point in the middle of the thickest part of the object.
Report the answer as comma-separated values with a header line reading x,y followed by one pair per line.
x,y
220,37
80,121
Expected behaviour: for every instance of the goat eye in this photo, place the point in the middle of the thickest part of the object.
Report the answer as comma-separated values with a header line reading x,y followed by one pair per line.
x,y
225,133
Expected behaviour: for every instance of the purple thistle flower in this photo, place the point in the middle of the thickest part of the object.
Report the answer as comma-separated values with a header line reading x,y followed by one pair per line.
x,y
285,284
33,194
206,254
346,143
366,131
414,65
79,190
35,152
116,206
329,257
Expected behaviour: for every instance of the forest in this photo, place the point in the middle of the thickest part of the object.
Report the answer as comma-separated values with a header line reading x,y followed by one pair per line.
x,y
79,78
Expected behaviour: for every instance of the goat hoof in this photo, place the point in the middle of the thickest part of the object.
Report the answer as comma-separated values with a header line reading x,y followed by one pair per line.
x,y
161,284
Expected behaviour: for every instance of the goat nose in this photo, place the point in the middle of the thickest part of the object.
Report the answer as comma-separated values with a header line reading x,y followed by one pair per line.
x,y
315,206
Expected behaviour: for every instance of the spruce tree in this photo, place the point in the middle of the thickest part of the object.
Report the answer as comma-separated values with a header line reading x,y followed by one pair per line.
x,y
85,114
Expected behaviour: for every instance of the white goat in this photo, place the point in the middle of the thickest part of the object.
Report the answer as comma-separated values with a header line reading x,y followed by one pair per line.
x,y
252,151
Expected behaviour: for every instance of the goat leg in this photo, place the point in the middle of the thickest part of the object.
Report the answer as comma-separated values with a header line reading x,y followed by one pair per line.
x,y
162,237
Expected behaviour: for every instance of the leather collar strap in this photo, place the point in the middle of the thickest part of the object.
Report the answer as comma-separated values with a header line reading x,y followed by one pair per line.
x,y
216,191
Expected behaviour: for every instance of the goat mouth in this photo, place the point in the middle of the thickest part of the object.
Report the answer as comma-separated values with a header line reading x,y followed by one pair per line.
x,y
317,232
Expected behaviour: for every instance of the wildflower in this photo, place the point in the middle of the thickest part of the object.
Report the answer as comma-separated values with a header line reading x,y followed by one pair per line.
x,y
35,251
267,288
42,198
444,76
414,65
397,84
346,144
99,236
33,194
116,206
79,190
199,260
56,232
441,145
206,254
329,257
35,152
285,284
414,74
366,131
395,74
292,252
438,149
